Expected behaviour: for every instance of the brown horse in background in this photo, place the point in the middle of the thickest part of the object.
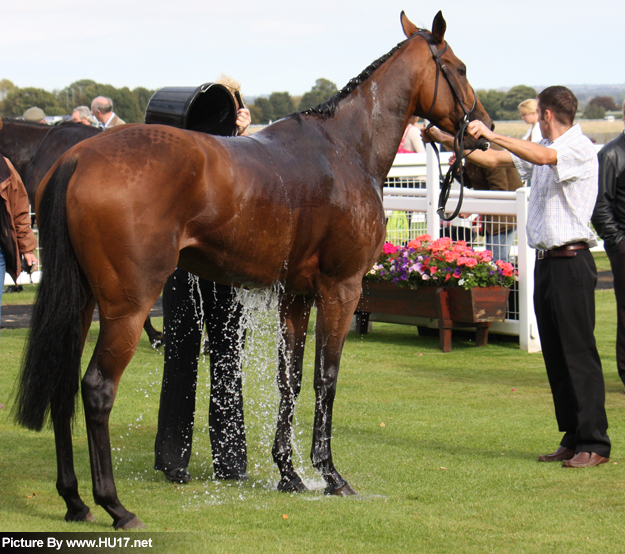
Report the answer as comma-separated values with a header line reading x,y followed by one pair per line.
x,y
19,141
58,140
34,148
299,204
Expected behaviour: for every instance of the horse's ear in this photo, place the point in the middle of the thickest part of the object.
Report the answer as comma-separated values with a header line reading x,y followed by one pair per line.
x,y
439,27
409,27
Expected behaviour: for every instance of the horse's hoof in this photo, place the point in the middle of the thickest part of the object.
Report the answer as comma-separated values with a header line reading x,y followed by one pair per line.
x,y
345,490
84,515
292,484
131,521
157,341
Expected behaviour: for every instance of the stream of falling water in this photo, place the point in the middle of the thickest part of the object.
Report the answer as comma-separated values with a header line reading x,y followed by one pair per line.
x,y
262,344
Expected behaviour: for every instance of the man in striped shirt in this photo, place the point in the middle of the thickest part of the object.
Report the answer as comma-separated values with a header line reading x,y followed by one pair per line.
x,y
563,169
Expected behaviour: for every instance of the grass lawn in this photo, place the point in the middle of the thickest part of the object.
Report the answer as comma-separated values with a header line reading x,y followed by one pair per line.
x,y
441,448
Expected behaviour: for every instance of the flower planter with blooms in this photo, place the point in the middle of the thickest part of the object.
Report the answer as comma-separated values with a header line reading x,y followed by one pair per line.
x,y
440,280
440,263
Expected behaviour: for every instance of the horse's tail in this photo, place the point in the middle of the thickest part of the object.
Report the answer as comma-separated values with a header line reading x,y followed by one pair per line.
x,y
50,373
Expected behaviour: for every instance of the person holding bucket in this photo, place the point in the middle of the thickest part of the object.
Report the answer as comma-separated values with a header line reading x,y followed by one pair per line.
x,y
190,304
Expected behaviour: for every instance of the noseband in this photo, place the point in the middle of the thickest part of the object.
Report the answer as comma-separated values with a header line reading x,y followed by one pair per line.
x,y
482,144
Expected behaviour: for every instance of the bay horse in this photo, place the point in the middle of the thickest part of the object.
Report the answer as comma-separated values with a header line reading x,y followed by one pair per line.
x,y
298,203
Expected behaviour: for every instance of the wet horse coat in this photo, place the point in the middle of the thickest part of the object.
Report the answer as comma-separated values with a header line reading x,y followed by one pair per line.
x,y
299,204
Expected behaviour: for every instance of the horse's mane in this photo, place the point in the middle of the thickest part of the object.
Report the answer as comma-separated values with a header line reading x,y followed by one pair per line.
x,y
327,109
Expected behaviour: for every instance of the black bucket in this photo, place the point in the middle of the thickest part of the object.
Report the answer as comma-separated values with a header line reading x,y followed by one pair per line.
x,y
209,108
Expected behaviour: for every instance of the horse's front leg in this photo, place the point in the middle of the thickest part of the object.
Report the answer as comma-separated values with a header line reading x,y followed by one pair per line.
x,y
116,344
335,309
294,315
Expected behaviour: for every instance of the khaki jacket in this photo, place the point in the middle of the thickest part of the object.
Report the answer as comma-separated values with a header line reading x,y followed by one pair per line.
x,y
116,121
19,236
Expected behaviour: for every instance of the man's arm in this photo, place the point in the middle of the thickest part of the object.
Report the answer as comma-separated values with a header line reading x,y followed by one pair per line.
x,y
489,158
26,240
529,151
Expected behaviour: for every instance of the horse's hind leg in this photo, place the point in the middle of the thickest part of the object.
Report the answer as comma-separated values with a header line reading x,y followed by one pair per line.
x,y
335,309
66,482
115,347
294,314
156,337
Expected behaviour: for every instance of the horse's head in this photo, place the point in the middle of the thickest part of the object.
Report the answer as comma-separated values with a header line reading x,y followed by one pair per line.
x,y
445,96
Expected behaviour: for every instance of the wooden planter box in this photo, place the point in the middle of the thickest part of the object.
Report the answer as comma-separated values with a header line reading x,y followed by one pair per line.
x,y
452,306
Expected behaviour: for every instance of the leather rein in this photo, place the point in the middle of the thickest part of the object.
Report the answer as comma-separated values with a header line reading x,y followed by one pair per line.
x,y
482,144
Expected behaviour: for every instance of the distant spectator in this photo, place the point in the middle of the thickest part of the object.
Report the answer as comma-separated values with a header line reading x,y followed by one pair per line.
x,y
102,110
411,141
82,114
34,115
529,114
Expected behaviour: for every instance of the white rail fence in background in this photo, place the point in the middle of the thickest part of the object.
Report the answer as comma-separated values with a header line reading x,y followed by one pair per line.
x,y
412,193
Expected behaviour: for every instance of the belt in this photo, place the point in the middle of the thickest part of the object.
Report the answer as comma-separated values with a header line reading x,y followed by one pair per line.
x,y
565,251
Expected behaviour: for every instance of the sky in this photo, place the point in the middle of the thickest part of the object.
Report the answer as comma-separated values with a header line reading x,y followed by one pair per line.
x,y
280,45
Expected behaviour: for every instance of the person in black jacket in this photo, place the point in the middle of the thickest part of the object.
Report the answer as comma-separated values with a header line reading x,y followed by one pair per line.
x,y
609,222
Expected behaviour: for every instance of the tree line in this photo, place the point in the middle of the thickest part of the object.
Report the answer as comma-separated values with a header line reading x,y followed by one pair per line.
x,y
130,105
503,106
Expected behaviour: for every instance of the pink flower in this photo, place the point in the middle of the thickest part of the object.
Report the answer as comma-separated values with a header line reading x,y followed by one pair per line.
x,y
485,256
506,268
441,244
451,256
468,262
389,248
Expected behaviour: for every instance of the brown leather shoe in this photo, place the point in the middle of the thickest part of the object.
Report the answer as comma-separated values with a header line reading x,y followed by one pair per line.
x,y
585,459
561,454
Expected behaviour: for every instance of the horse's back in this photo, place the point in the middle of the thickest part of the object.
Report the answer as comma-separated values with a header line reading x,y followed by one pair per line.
x,y
272,200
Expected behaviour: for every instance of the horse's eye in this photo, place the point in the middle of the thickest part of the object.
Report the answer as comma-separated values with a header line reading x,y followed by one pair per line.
x,y
462,71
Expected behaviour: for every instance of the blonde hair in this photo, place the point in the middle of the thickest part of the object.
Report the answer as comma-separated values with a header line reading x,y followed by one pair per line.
x,y
528,106
229,83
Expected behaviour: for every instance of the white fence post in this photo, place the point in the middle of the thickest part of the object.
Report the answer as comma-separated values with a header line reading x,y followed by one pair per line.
x,y
528,327
433,189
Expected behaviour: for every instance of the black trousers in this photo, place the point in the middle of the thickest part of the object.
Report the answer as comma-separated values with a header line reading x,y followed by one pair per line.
x,y
617,261
564,300
184,316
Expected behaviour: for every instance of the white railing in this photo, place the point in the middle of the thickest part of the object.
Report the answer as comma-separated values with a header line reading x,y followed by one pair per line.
x,y
414,188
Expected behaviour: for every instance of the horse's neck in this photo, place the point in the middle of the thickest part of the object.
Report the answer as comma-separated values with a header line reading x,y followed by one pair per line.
x,y
378,111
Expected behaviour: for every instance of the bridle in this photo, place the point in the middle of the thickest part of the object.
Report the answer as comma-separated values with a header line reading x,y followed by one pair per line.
x,y
482,144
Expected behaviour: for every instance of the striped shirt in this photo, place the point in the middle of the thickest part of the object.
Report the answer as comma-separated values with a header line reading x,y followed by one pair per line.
x,y
562,196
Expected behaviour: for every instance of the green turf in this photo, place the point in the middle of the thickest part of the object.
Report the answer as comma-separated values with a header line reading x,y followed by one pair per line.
x,y
441,448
